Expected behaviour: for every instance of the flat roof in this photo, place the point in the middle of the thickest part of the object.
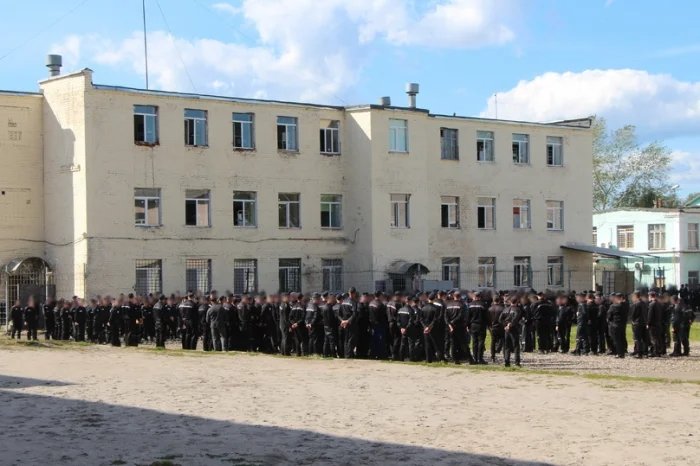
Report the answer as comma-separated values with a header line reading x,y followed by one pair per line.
x,y
4,92
691,209
581,247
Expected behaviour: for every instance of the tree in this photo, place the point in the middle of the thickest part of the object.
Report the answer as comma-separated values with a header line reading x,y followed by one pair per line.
x,y
626,174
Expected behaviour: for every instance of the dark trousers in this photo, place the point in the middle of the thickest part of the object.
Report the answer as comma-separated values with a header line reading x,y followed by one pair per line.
x,y
90,330
478,334
379,344
618,332
544,337
511,345
17,328
581,340
206,338
657,340
349,342
316,335
216,338
593,339
564,337
497,337
639,337
433,347
395,342
160,336
31,330
285,348
330,348
685,339
50,329
601,338
456,346
301,340
80,335
680,340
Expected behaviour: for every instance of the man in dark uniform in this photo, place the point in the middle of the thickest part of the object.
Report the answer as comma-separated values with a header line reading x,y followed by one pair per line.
x,y
284,324
58,332
215,321
363,327
454,323
268,323
66,321
189,319
204,328
149,327
685,335
639,312
80,315
565,316
392,310
495,326
602,323
527,325
428,317
593,322
17,317
439,327
130,313
160,320
477,322
49,319
297,320
330,325
510,320
379,323
581,326
91,312
542,317
655,316
666,332
31,318
409,329
618,324
115,322
245,322
314,325
348,324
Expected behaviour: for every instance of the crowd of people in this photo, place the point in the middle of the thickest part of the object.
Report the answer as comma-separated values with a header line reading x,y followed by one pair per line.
x,y
436,326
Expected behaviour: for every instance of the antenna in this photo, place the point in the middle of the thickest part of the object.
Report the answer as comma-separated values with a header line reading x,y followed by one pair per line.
x,y
145,39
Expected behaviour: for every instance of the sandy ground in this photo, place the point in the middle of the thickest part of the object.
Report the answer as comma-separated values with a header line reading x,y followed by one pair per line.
x,y
103,405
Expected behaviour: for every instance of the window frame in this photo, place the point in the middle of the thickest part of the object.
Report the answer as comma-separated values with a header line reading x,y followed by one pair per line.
x,y
248,124
487,143
395,212
658,236
285,126
523,206
197,201
551,210
694,240
333,205
449,145
145,117
398,134
287,269
245,208
552,143
245,265
486,266
450,204
626,232
555,264
451,267
287,203
332,274
146,198
518,263
330,133
523,147
195,122
200,267
148,265
491,207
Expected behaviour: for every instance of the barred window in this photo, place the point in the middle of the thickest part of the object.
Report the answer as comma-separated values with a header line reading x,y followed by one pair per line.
x,y
245,276
198,275
555,271
625,236
332,274
149,276
486,271
521,272
290,275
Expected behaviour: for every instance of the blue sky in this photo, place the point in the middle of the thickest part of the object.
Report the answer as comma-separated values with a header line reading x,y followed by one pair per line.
x,y
631,61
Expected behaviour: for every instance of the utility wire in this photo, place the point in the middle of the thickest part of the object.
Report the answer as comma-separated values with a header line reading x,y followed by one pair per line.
x,y
179,55
42,30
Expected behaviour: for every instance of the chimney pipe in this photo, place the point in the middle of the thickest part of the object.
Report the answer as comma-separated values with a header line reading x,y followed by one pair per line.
x,y
54,63
385,101
412,91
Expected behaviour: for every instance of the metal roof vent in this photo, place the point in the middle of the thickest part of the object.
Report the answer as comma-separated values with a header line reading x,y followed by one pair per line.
x,y
412,91
54,63
385,101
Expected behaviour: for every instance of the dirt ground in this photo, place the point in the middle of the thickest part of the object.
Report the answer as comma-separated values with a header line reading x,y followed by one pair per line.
x,y
97,405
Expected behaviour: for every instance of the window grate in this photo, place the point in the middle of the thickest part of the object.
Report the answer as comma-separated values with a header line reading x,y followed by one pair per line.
x,y
198,275
245,276
149,276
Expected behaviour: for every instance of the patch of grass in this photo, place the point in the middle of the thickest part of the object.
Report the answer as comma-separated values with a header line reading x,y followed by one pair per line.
x,y
170,457
118,461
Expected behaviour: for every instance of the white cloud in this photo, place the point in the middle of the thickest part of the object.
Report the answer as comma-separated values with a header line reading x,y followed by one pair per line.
x,y
69,48
658,104
685,170
304,49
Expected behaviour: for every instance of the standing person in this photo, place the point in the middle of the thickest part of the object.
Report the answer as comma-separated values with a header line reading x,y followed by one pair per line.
x,y
297,320
510,320
455,341
58,332
80,315
685,335
593,323
428,319
565,316
527,325
66,321
477,321
330,326
269,324
101,320
655,316
581,326
639,312
314,325
392,310
349,323
542,318
91,312
17,317
31,318
245,311
149,327
49,319
160,321
666,331
131,321
439,328
602,323
379,323
407,323
363,328
215,321
618,324
204,328
496,327
188,328
285,325
115,322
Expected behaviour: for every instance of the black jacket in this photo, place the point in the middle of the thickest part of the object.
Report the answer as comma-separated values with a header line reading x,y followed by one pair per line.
x,y
478,315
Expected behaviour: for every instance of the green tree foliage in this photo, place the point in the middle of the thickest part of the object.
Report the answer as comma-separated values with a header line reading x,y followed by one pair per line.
x,y
626,174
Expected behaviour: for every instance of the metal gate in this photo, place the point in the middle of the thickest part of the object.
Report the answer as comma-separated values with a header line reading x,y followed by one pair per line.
x,y
24,278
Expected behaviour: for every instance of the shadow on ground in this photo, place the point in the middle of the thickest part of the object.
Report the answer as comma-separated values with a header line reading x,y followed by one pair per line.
x,y
41,429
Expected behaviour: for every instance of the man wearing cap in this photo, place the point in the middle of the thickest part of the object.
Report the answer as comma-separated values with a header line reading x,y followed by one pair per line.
x,y
618,323
477,321
216,321
655,315
159,312
392,310
283,311
495,326
581,325
565,316
297,320
379,324
428,316
348,324
639,312
188,319
510,320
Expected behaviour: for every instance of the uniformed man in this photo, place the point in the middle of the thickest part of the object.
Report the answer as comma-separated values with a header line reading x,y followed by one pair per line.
x,y
215,319
49,319
190,319
80,315
314,325
204,327
496,327
115,322
297,320
565,316
392,310
90,313
363,327
66,321
428,320
655,316
269,324
618,324
510,320
31,318
581,325
410,329
639,312
477,322
160,319
379,323
542,316
348,324
284,325
17,317
330,325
